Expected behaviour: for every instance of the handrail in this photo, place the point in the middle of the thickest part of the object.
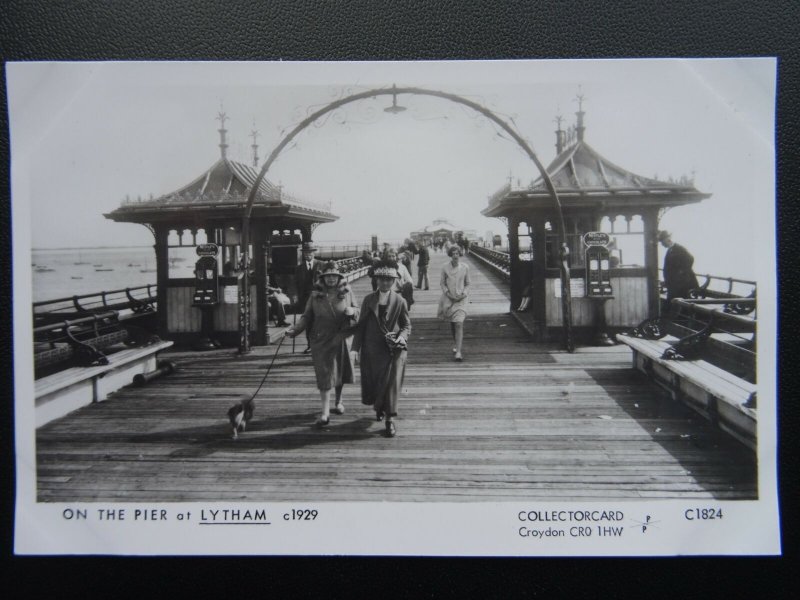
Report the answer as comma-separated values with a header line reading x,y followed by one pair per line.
x,y
693,307
99,295
499,259
72,322
729,279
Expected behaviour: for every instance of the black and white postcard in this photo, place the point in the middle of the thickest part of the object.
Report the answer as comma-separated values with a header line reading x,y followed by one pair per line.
x,y
478,308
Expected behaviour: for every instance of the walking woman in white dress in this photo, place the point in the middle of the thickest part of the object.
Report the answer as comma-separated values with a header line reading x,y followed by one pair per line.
x,y
453,303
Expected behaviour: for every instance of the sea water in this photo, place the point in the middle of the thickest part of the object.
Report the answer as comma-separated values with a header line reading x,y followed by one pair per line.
x,y
60,273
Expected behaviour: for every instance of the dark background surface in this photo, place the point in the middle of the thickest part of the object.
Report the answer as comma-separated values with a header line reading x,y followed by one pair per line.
x,y
415,30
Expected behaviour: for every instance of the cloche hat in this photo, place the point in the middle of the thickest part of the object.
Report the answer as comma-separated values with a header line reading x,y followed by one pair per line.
x,y
331,268
385,268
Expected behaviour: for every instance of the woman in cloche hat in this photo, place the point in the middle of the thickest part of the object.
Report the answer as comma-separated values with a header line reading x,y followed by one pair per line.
x,y
330,311
381,335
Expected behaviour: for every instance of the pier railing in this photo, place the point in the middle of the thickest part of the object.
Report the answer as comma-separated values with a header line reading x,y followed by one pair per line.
x,y
339,252
141,299
715,286
500,261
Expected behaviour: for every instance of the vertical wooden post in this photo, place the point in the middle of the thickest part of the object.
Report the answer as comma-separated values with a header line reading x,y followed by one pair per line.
x,y
244,290
538,287
162,276
259,239
513,257
650,219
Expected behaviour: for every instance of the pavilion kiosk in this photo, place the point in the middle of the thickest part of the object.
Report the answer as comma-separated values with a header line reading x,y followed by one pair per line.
x,y
611,218
207,214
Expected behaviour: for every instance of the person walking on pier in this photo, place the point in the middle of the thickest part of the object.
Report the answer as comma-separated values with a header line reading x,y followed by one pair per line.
x,y
330,312
453,303
381,336
305,277
422,266
679,278
404,285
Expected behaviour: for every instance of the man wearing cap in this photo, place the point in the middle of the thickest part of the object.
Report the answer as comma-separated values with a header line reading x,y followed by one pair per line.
x,y
305,277
679,278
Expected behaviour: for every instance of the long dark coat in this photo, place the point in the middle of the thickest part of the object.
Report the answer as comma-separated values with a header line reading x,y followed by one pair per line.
x,y
328,335
305,279
679,278
424,257
382,369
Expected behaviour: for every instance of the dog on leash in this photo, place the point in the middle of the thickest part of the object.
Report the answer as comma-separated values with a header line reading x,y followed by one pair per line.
x,y
239,414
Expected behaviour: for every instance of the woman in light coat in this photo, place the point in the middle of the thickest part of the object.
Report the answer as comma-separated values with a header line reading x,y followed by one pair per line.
x,y
331,310
453,303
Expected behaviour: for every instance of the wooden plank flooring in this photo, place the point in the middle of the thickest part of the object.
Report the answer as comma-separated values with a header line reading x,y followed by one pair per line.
x,y
514,421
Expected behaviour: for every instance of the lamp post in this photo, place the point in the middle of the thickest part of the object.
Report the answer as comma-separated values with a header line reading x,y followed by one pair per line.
x,y
394,91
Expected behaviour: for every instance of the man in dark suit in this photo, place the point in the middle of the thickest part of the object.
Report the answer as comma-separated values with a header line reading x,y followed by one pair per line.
x,y
679,278
305,276
422,266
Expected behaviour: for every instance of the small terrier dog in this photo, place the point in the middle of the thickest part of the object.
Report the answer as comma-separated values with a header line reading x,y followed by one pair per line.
x,y
239,414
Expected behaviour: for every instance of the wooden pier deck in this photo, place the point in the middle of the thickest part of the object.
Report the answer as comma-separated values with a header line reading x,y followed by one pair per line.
x,y
514,421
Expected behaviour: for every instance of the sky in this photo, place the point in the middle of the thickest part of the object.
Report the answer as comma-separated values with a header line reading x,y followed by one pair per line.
x,y
86,135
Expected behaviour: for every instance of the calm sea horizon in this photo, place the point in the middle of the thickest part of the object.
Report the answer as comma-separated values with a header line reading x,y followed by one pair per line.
x,y
64,272
75,270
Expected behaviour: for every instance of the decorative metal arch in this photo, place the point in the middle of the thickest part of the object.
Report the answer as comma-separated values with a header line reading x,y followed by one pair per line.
x,y
244,296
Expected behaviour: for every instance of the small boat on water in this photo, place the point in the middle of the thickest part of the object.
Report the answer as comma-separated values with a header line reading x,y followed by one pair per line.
x,y
76,277
97,265
134,265
43,269
104,269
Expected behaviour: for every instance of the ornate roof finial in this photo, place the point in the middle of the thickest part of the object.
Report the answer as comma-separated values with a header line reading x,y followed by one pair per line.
x,y
254,135
560,134
579,128
222,117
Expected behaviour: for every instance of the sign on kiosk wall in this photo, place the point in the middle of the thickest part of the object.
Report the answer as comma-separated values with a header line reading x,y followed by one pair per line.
x,y
596,238
207,250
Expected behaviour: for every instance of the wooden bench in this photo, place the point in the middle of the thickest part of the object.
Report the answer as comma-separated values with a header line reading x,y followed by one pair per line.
x,y
356,274
726,400
82,341
62,392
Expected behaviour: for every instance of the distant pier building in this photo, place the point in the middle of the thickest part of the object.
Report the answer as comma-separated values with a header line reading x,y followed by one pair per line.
x,y
441,230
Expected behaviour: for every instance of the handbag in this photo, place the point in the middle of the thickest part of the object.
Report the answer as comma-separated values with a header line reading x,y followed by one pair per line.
x,y
394,342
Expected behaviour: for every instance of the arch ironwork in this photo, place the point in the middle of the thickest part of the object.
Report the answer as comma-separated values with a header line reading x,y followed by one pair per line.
x,y
244,295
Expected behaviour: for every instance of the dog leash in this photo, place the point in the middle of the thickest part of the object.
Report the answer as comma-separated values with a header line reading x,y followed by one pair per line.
x,y
283,337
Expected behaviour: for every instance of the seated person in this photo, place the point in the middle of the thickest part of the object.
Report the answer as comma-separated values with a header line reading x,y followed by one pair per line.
x,y
526,299
277,299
